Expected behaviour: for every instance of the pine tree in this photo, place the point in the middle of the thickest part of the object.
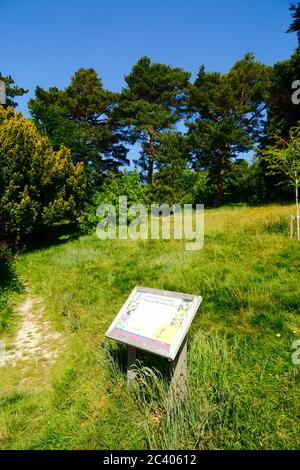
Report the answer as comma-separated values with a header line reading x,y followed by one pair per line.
x,y
12,90
283,114
79,117
151,104
227,116
295,25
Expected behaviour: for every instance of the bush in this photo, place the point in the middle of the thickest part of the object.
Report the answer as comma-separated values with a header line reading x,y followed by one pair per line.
x,y
181,185
202,190
37,185
125,184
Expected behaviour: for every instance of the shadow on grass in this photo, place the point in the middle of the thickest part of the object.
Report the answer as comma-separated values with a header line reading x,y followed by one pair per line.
x,y
9,283
116,354
51,236
8,276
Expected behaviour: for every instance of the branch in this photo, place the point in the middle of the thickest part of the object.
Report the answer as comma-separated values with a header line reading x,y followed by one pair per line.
x,y
256,114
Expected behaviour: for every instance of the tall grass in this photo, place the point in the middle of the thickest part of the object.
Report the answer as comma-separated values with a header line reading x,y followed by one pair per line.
x,y
176,420
243,389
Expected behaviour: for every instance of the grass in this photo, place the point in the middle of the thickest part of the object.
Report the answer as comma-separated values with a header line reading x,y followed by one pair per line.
x,y
243,386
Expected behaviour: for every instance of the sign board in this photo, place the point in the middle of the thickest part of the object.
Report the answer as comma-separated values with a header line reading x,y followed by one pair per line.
x,y
154,320
2,92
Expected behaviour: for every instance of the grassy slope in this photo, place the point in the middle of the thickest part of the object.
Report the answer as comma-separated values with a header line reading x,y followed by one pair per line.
x,y
244,389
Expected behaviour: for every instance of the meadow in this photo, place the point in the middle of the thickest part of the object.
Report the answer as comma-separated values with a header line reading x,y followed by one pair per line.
x,y
243,386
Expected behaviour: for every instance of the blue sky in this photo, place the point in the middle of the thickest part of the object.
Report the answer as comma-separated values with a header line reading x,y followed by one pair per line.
x,y
45,42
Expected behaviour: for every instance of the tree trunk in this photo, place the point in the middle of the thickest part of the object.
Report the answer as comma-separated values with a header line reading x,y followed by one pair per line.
x,y
151,159
218,197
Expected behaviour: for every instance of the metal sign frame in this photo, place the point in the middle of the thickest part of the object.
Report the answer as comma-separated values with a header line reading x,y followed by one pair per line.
x,y
160,348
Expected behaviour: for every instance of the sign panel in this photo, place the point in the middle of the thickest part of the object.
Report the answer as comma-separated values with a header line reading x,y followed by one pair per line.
x,y
2,92
154,320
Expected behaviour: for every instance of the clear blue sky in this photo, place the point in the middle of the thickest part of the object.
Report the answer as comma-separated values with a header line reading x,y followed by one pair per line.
x,y
43,42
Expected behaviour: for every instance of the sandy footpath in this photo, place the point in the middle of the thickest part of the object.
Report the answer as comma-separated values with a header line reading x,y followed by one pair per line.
x,y
35,338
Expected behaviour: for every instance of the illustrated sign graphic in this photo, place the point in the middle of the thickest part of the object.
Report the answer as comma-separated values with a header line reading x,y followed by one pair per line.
x,y
154,320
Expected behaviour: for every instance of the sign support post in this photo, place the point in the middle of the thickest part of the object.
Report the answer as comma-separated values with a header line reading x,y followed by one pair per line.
x,y
157,321
131,359
292,227
178,381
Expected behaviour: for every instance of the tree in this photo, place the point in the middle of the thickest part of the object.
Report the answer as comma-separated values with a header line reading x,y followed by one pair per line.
x,y
153,101
283,114
79,117
242,182
38,186
284,158
295,25
227,114
12,90
173,179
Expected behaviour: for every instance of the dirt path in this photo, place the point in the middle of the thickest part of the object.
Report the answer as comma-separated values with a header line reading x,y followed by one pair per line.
x,y
35,338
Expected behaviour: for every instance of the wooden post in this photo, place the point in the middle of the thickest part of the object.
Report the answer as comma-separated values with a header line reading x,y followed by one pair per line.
x,y
131,360
292,227
297,219
178,386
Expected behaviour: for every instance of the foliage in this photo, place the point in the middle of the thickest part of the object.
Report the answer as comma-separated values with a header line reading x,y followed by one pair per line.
x,y
173,179
295,26
12,90
283,114
37,185
150,105
79,117
126,184
227,113
242,183
176,182
284,158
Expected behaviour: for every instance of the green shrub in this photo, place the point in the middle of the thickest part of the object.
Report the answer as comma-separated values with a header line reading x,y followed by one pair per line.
x,y
125,184
38,186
